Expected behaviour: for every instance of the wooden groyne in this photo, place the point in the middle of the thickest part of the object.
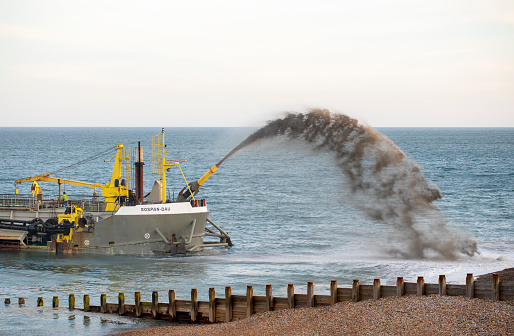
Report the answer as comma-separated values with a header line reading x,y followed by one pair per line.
x,y
235,307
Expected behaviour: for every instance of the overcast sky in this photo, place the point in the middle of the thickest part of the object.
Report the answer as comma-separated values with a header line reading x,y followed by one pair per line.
x,y
239,63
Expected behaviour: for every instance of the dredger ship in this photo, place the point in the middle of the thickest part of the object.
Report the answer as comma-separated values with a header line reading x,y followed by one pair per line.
x,y
120,221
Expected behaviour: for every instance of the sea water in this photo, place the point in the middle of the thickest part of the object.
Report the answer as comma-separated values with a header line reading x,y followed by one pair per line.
x,y
285,206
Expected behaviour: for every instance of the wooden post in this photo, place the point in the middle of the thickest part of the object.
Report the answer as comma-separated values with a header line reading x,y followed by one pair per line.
x,y
21,301
55,302
249,301
376,289
310,294
442,284
470,286
420,288
137,304
40,301
495,290
103,303
194,305
355,291
333,292
121,304
228,304
86,302
269,298
71,301
155,304
290,296
172,308
212,305
400,287
7,301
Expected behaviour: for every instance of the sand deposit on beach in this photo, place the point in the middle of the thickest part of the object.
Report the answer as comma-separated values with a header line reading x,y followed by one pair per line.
x,y
410,315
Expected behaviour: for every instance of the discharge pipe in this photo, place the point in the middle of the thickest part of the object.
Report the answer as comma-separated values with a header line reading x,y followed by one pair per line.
x,y
194,187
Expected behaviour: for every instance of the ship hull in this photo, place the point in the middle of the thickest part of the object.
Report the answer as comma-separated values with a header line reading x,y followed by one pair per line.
x,y
139,229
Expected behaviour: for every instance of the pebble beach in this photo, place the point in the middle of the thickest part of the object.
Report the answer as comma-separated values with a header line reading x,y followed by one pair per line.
x,y
410,315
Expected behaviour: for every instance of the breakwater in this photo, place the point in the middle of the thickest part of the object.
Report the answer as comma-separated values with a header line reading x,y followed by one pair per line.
x,y
235,307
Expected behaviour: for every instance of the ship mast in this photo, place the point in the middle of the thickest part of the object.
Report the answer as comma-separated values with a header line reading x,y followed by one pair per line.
x,y
163,169
159,163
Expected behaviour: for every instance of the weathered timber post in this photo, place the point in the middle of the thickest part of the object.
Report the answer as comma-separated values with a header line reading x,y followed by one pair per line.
x,y
40,301
400,287
495,290
194,305
355,291
269,298
470,286
228,304
290,296
71,301
137,304
442,284
333,292
212,305
86,302
21,301
249,301
172,308
155,304
103,303
420,288
376,289
55,302
121,304
7,301
310,294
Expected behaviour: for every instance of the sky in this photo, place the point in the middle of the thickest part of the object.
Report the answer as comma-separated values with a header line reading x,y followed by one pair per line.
x,y
170,63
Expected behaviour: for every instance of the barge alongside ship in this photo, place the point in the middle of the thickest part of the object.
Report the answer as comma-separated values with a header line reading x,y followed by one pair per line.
x,y
120,221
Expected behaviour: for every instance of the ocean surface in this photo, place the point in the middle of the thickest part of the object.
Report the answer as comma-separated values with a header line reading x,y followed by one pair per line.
x,y
285,206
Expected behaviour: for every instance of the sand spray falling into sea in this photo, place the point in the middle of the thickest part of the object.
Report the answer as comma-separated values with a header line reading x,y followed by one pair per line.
x,y
385,184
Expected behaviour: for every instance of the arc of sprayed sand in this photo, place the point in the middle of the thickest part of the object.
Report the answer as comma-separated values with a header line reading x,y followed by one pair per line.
x,y
389,187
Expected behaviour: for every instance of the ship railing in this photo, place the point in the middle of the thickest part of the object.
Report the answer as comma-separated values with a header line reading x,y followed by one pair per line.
x,y
27,201
93,206
16,201
87,203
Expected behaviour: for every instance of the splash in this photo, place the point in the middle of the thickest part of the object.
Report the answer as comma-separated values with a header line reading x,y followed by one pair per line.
x,y
385,184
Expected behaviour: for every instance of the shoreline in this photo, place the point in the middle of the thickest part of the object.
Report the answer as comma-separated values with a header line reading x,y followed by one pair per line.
x,y
411,315
505,275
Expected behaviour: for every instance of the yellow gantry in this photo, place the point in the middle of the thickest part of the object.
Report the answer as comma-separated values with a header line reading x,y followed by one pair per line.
x,y
160,166
112,190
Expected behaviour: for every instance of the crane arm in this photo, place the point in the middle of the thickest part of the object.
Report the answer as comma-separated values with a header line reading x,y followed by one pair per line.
x,y
48,178
114,191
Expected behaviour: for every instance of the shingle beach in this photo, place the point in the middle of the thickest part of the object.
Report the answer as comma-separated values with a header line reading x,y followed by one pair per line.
x,y
410,315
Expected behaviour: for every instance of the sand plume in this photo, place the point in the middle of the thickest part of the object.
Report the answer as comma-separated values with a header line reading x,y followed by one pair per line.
x,y
385,184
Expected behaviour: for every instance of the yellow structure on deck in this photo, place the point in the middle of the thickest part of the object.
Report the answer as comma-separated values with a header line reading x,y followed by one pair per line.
x,y
114,191
73,216
159,164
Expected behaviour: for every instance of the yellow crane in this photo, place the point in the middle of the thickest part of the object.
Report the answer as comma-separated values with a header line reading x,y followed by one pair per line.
x,y
111,191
